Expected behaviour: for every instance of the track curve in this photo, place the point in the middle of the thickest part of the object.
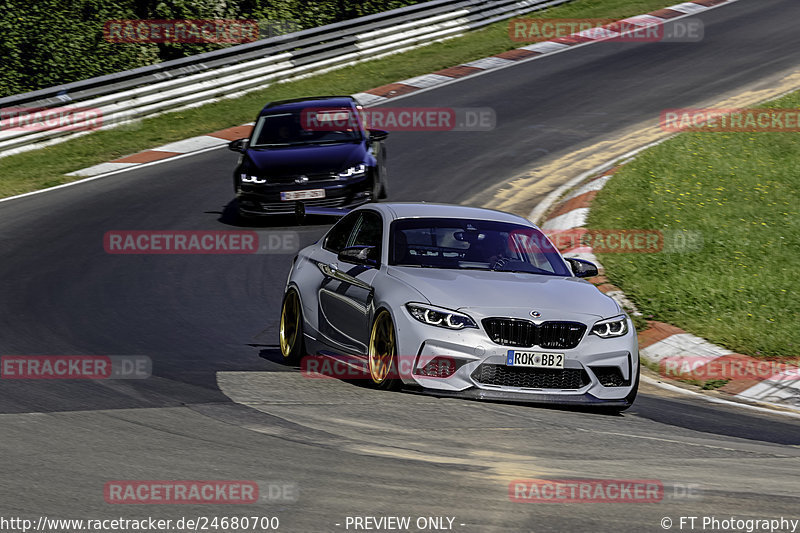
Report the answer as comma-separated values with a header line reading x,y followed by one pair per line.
x,y
208,322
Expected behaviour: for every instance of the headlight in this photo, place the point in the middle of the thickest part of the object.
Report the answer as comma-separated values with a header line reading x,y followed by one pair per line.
x,y
613,327
437,316
353,171
252,179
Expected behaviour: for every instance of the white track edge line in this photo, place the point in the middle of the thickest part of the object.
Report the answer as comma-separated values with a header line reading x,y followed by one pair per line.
x,y
111,173
778,411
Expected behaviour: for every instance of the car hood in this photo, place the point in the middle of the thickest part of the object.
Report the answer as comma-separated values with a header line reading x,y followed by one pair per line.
x,y
493,291
292,160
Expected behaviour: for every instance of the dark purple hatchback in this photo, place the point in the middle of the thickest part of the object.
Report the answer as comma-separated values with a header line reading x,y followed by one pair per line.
x,y
311,150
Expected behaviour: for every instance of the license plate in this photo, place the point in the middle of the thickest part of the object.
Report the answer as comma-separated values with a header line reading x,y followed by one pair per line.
x,y
302,195
535,359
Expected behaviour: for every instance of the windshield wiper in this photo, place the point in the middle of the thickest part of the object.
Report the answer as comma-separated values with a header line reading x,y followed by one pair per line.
x,y
331,141
538,273
272,145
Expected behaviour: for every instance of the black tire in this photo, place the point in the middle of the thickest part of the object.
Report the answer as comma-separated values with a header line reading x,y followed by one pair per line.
x,y
292,342
375,188
382,352
384,192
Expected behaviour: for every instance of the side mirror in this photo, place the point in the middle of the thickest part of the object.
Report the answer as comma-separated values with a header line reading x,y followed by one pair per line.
x,y
359,255
239,145
581,267
378,135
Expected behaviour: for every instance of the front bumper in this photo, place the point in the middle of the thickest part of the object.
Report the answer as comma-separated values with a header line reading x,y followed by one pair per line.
x,y
261,200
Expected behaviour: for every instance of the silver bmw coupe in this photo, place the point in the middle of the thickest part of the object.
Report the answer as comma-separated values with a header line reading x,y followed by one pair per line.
x,y
457,301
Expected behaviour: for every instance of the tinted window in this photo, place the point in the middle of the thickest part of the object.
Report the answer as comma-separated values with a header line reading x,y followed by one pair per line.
x,y
474,244
291,128
337,237
369,232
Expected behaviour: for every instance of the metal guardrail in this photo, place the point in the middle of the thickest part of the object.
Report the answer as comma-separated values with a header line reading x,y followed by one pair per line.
x,y
148,91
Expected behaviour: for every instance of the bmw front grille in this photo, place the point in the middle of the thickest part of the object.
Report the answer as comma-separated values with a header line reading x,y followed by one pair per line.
x,y
525,334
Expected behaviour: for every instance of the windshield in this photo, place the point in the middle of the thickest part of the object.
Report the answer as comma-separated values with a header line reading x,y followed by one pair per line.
x,y
291,128
473,244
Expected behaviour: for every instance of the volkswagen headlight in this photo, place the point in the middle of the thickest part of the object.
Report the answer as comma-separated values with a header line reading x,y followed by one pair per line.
x,y
246,178
357,170
438,316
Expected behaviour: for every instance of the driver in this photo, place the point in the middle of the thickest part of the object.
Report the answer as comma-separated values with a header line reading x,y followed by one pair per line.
x,y
487,247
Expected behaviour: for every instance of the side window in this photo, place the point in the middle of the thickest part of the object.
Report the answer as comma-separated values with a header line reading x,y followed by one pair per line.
x,y
369,232
339,234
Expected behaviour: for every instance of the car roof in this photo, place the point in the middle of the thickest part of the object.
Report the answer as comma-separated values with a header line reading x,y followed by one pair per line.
x,y
312,101
397,210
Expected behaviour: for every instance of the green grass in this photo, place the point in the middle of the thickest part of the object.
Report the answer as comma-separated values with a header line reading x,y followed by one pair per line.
x,y
714,384
711,384
741,192
46,167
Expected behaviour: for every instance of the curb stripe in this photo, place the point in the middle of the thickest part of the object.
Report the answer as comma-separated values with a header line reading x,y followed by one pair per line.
x,y
425,81
368,99
458,71
688,7
666,13
516,54
582,200
145,157
191,144
657,331
101,168
489,63
231,134
571,220
545,47
391,89
709,3
590,186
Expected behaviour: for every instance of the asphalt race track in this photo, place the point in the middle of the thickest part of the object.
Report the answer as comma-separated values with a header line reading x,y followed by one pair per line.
x,y
220,404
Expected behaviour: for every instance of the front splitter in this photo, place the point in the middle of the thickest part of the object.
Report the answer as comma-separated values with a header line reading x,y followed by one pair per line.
x,y
476,393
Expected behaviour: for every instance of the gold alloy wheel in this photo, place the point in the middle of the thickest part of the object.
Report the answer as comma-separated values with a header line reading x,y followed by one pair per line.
x,y
381,348
290,324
